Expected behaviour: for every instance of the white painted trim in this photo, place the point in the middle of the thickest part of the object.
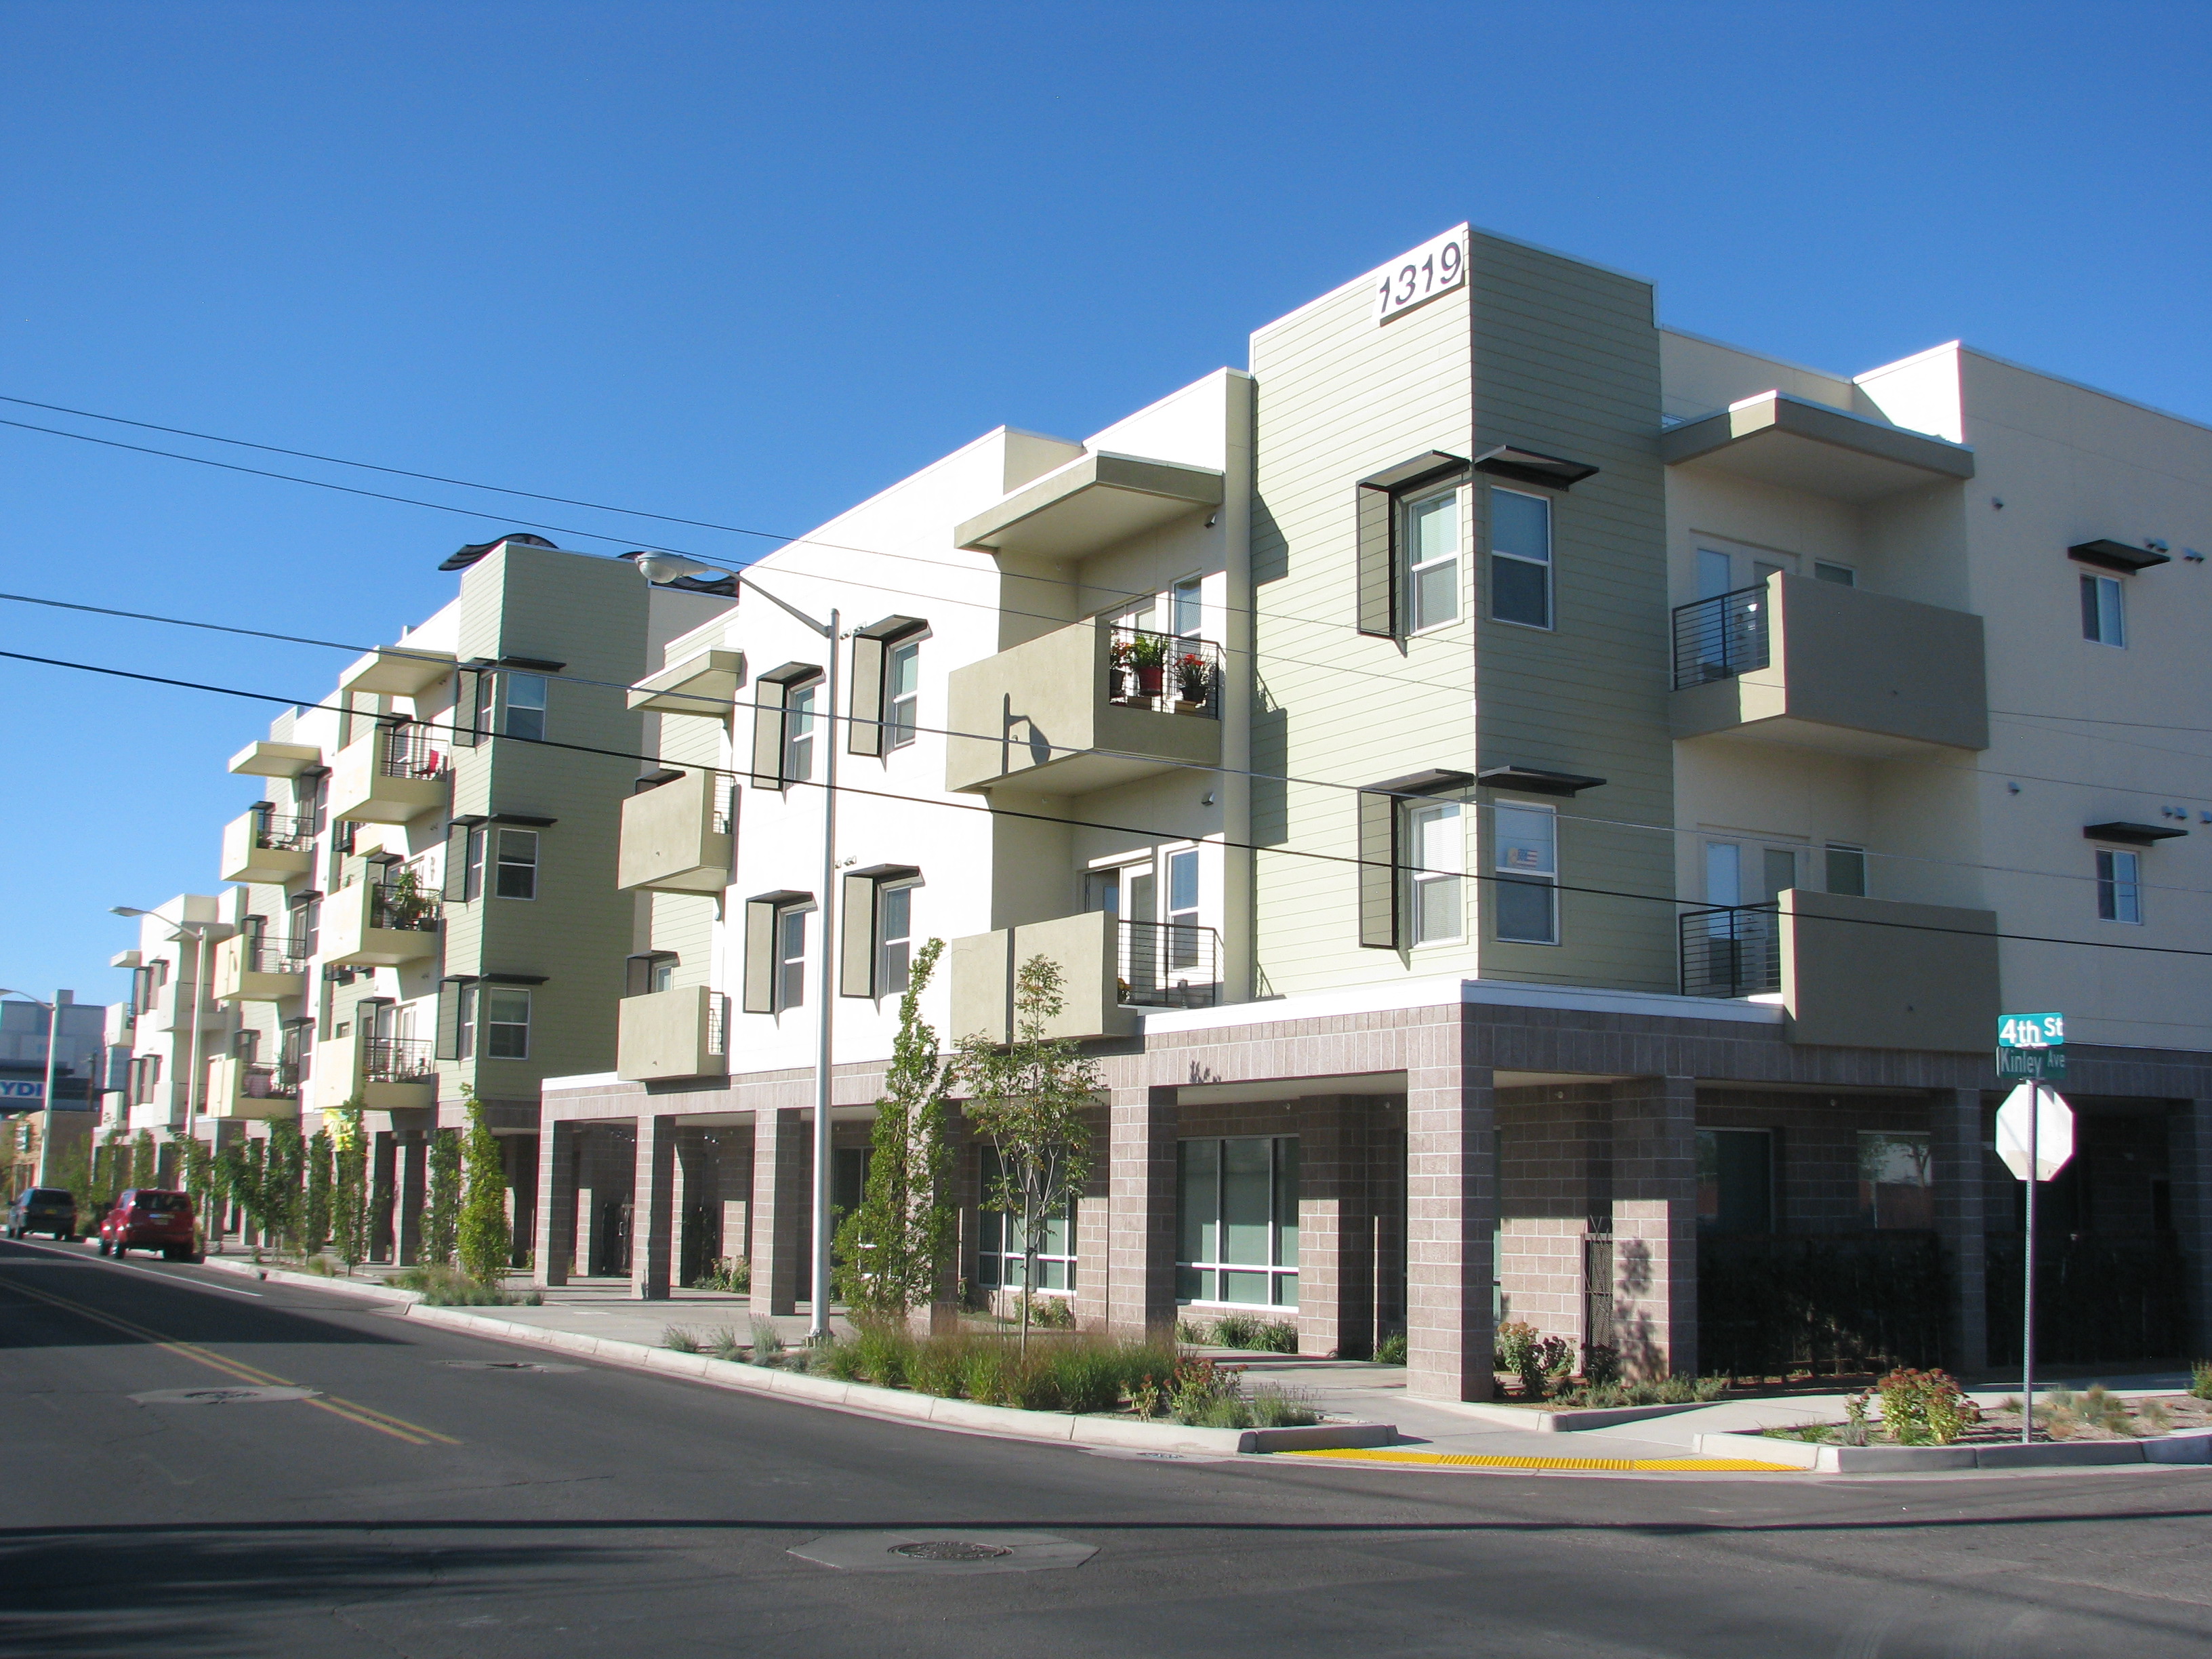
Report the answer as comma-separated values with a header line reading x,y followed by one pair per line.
x,y
1391,995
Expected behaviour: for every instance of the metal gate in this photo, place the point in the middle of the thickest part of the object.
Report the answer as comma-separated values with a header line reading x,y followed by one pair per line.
x,y
1597,1290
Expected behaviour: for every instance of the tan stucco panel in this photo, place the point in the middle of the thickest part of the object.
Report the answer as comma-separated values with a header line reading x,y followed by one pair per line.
x,y
1876,974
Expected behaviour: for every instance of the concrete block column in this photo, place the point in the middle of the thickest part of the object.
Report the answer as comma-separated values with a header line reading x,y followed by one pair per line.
x,y
1955,1139
1451,1212
1655,1223
1336,1229
556,1240
652,1208
1140,1291
414,1185
781,1219
2189,1178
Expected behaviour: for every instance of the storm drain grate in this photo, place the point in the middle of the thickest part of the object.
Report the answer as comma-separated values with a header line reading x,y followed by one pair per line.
x,y
994,1550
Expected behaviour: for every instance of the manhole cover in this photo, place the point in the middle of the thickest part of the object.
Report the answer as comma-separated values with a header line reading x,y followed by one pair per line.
x,y
951,1549
221,1396
989,1550
503,1366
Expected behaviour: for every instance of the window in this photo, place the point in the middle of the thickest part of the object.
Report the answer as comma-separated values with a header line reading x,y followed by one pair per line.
x,y
901,694
1738,872
1237,1220
1520,558
1183,909
2104,614
1895,1188
1715,572
1525,904
526,707
1736,1181
1847,870
1000,1252
790,959
517,875
1436,853
799,733
506,1022
1841,574
1429,528
487,688
894,939
1185,607
2120,892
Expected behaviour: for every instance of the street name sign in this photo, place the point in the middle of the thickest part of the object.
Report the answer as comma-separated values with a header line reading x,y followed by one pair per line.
x,y
2032,1045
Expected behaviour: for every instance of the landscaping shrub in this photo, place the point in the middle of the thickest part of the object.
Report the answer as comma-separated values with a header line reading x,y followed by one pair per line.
x,y
682,1338
448,1287
767,1344
1600,1364
723,1344
879,1352
1237,1330
1923,1408
2200,1379
1646,1391
1391,1350
733,1275
1534,1359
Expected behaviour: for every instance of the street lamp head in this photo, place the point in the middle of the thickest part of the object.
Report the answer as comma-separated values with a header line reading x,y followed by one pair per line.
x,y
672,566
126,910
6,991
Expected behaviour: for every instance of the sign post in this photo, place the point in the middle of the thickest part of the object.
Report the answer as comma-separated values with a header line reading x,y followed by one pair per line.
x,y
2035,1138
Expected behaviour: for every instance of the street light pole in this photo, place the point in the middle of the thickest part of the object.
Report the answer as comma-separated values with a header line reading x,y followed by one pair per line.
x,y
668,567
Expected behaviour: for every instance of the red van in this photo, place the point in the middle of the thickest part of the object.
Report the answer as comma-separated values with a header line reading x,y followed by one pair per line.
x,y
149,1218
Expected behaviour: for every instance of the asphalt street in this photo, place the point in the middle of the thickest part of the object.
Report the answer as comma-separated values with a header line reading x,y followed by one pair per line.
x,y
408,1492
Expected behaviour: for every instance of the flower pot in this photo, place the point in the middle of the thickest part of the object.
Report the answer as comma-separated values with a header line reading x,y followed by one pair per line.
x,y
1150,680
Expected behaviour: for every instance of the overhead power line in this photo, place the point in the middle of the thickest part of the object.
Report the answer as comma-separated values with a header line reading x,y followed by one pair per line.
x,y
1120,828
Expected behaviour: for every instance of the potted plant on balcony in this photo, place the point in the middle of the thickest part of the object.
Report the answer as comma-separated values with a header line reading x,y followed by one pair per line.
x,y
405,904
1193,677
1148,658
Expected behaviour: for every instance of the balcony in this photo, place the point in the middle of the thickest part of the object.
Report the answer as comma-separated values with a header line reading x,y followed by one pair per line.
x,y
704,685
174,1007
243,1089
1111,971
397,670
264,846
1818,666
394,774
379,924
680,1033
1095,502
1855,972
1084,708
1776,439
382,1074
677,837
248,970
275,760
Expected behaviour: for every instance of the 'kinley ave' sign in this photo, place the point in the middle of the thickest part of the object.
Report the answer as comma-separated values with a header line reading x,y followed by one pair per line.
x,y
2032,1045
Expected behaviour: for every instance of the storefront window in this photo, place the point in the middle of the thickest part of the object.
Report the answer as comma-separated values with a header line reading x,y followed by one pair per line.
x,y
1001,1252
1736,1181
1237,1230
1895,1189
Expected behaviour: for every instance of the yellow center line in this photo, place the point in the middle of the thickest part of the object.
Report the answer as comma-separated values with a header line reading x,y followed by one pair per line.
x,y
383,1422
1499,1461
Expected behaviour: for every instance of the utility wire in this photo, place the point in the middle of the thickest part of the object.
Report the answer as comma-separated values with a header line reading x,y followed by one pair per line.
x,y
720,703
1395,866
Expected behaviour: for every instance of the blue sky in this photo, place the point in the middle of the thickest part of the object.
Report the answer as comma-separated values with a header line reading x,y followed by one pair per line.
x,y
748,263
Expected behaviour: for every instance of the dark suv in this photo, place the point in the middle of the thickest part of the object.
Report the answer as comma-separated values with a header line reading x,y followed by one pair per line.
x,y
43,1210
149,1218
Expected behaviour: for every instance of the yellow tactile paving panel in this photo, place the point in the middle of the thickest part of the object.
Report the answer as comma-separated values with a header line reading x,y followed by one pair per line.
x,y
1602,1465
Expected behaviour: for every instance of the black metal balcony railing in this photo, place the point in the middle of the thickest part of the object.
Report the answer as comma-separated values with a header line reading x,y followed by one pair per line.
x,y
287,834
403,906
718,1024
1733,950
405,751
278,1082
397,1059
1169,965
284,958
1164,673
1719,637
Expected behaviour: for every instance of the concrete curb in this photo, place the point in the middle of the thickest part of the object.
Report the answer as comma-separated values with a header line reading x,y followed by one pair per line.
x,y
310,1281
2185,1446
1005,1421
1569,1420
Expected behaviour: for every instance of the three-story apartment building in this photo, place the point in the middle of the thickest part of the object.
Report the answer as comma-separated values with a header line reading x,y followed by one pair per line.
x,y
422,908
1531,809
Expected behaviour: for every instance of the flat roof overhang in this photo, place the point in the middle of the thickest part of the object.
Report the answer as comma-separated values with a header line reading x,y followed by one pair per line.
x,y
1800,445
275,760
705,685
1094,502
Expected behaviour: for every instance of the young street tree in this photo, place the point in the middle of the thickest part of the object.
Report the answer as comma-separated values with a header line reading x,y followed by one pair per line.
x,y
892,1250
1027,1097
486,1240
